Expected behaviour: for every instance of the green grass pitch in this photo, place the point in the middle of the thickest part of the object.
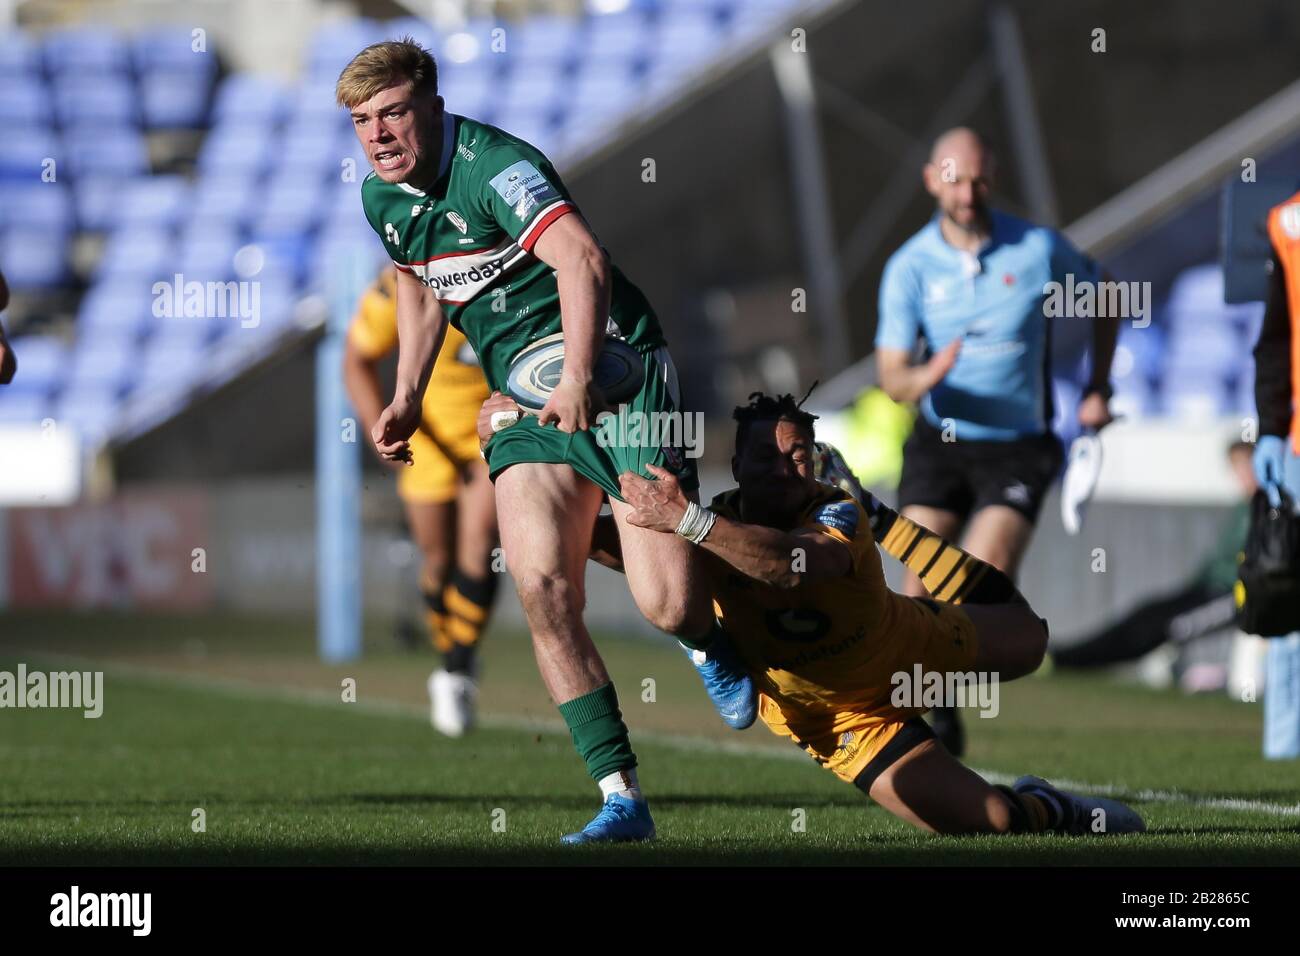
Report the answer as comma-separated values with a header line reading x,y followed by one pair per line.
x,y
236,717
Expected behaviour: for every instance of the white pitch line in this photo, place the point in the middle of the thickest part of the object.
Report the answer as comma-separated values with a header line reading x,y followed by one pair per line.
x,y
683,742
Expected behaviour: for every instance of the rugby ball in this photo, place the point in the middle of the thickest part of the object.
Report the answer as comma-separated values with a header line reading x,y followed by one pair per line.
x,y
536,371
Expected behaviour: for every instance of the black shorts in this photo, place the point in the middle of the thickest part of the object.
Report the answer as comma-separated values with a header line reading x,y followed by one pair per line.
x,y
965,476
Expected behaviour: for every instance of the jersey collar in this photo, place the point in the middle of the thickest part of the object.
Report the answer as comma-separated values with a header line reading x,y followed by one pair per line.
x,y
444,163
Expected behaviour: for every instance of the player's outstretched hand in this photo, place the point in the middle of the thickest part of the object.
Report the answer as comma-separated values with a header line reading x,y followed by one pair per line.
x,y
498,411
657,505
396,424
573,407
1094,412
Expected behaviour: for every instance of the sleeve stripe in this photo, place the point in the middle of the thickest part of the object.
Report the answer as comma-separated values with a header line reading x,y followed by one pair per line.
x,y
528,238
403,267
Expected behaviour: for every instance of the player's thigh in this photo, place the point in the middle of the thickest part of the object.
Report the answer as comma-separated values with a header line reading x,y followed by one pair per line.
x,y
1011,639
432,525
476,526
546,514
946,524
931,789
999,535
666,576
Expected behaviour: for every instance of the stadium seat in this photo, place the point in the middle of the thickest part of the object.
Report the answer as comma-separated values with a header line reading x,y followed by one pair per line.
x,y
35,257
95,101
44,361
420,30
106,366
686,38
19,56
310,152
290,206
175,100
224,199
37,204
24,101
90,411
157,201
27,407
97,199
116,150
467,90
314,106
533,89
543,39
345,213
170,362
137,253
237,149
207,252
119,308
337,42
599,95
617,38
86,50
25,158
171,49
532,127
246,100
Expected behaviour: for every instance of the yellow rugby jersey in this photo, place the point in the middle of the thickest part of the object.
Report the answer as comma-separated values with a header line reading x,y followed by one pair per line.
x,y
825,645
457,375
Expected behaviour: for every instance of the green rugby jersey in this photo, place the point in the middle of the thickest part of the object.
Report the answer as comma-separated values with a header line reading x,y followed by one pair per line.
x,y
470,238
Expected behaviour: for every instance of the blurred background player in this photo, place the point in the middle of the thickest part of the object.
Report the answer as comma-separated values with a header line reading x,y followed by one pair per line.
x,y
1277,453
445,490
1203,605
971,284
8,364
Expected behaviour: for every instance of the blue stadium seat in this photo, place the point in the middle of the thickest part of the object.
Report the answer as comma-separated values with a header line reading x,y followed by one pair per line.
x,y
617,37
24,101
310,152
23,407
248,100
336,43
97,199
207,252
467,90
87,50
116,150
598,95
26,157
35,257
117,308
137,252
687,38
95,101
542,39
19,56
334,246
156,201
90,411
237,150
105,365
169,363
38,204
223,199
171,49
175,100
532,127
289,207
284,258
43,359
533,89
314,106
420,30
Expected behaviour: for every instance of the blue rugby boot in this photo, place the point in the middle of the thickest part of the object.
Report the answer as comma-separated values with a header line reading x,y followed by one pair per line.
x,y
620,820
728,683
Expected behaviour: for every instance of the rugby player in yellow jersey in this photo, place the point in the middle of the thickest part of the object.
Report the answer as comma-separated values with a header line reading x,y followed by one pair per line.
x,y
798,587
450,505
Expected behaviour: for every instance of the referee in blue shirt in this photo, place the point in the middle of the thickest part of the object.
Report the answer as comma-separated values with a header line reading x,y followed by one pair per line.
x,y
971,285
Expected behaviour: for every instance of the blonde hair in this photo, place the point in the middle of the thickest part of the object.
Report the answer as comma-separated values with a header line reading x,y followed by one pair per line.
x,y
386,64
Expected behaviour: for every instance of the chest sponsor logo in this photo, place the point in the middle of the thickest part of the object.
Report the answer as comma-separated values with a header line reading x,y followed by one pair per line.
x,y
456,220
803,625
458,278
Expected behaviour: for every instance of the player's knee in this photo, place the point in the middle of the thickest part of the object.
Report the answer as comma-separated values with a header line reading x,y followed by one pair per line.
x,y
547,597
672,618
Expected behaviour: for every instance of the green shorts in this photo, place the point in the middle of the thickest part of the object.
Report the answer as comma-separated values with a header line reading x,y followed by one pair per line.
x,y
649,429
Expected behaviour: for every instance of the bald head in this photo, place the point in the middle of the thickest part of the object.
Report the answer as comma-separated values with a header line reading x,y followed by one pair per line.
x,y
959,176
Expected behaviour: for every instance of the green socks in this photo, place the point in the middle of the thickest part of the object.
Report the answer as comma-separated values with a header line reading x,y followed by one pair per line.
x,y
599,733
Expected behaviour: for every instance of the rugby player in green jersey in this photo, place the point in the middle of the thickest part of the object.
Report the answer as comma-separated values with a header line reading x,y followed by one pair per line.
x,y
485,236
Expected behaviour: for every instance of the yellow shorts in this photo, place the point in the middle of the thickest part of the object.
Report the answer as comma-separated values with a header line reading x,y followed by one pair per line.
x,y
846,741
441,450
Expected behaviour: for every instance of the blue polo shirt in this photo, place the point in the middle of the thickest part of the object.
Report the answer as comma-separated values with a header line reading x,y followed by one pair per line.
x,y
1000,387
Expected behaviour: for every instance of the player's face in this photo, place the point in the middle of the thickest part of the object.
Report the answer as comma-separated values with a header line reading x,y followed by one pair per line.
x,y
775,471
960,185
398,131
